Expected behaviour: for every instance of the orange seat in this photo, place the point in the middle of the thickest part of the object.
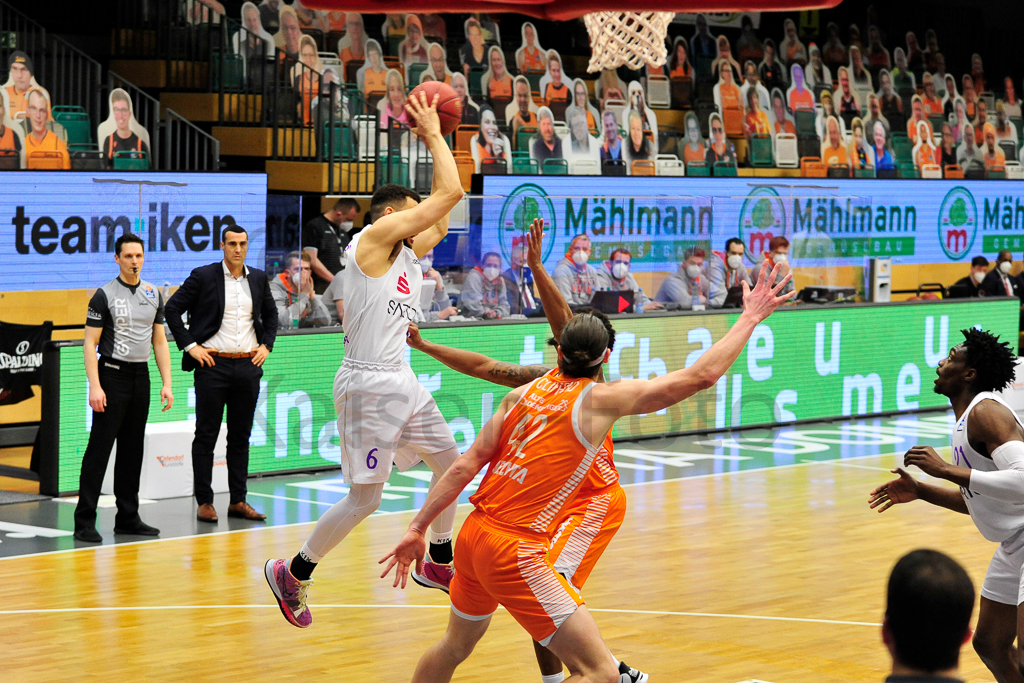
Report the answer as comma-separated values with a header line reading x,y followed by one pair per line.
x,y
812,167
464,135
733,120
643,167
45,161
954,172
467,167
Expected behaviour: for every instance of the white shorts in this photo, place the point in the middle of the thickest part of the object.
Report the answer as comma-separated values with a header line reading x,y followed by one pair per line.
x,y
1003,580
385,417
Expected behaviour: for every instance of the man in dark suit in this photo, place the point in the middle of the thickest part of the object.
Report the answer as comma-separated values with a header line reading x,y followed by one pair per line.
x,y
970,287
232,325
999,282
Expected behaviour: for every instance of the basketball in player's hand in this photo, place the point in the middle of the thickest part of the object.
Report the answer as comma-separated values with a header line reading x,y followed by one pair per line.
x,y
449,105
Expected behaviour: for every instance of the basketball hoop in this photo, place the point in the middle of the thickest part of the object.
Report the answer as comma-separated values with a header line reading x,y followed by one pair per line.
x,y
635,39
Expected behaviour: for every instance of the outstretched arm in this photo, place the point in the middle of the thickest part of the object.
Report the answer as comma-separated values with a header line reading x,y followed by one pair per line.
x,y
634,397
476,364
429,215
905,488
412,547
555,307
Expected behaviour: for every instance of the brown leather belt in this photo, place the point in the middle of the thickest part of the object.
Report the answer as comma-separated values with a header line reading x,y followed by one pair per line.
x,y
219,354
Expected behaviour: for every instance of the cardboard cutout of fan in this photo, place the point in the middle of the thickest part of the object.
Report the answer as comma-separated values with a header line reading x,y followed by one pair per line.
x,y
449,105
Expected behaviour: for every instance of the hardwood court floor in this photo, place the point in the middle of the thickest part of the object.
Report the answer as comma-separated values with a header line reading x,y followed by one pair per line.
x,y
719,578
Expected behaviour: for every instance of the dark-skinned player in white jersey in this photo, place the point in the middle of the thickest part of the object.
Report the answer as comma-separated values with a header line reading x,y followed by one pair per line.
x,y
988,466
385,416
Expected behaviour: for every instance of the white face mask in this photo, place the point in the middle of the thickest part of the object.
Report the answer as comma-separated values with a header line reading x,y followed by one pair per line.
x,y
692,270
346,226
734,261
580,257
296,277
1004,267
491,273
425,264
780,259
978,277
620,270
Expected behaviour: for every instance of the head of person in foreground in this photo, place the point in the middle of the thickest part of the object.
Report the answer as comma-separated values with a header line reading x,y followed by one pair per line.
x,y
928,610
586,343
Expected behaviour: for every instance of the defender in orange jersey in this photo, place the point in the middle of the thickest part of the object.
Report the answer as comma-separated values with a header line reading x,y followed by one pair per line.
x,y
539,447
586,527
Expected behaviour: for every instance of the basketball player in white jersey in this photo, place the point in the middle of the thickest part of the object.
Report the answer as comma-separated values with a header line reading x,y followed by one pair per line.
x,y
385,416
988,466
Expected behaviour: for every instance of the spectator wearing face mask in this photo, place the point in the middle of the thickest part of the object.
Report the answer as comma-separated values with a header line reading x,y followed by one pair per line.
x,y
970,287
688,286
483,291
522,299
615,276
576,279
778,253
441,306
726,271
297,303
999,282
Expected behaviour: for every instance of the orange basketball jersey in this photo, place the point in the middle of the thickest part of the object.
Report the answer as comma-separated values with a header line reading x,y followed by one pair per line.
x,y
544,459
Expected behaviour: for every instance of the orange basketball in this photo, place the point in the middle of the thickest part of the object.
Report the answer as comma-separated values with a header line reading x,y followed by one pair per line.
x,y
449,106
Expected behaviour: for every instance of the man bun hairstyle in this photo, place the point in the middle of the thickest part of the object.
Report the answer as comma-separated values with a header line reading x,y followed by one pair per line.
x,y
585,338
994,361
392,196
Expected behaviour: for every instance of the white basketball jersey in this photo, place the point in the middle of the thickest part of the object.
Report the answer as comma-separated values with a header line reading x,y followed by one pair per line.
x,y
997,520
378,310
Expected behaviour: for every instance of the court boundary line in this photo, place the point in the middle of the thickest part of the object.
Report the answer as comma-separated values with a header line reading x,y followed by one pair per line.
x,y
666,613
388,513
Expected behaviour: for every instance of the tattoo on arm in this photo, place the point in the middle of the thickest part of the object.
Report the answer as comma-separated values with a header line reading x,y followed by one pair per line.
x,y
513,375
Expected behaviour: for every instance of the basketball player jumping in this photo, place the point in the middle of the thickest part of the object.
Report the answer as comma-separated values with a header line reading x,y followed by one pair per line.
x,y
988,466
586,527
385,416
539,447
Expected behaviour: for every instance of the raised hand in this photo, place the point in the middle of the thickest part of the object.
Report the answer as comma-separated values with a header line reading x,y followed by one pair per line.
x,y
903,489
535,244
409,551
425,115
762,300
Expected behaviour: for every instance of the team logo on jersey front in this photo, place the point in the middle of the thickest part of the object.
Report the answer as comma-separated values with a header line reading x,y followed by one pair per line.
x,y
149,292
403,285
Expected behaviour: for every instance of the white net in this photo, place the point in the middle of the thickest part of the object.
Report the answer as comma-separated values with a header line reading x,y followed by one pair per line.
x,y
631,38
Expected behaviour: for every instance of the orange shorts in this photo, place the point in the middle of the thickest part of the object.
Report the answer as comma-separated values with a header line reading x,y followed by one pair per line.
x,y
584,531
496,564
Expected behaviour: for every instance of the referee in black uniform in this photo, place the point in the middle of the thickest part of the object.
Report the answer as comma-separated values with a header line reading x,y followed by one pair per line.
x,y
125,319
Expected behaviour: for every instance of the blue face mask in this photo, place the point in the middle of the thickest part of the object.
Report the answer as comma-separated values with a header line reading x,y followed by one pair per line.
x,y
425,264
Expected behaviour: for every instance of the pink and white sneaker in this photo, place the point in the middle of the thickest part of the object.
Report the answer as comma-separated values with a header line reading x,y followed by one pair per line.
x,y
289,592
434,575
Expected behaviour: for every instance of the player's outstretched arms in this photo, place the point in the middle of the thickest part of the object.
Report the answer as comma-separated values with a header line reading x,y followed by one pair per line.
x,y
411,548
476,364
555,306
905,489
634,397
446,193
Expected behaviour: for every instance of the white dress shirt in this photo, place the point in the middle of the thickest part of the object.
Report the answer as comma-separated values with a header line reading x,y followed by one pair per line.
x,y
237,333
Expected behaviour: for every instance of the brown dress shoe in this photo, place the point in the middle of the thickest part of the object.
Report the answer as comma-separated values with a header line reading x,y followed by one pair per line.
x,y
206,513
244,511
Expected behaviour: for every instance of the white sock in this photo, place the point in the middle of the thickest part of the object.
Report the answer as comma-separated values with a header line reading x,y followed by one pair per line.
x,y
553,678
